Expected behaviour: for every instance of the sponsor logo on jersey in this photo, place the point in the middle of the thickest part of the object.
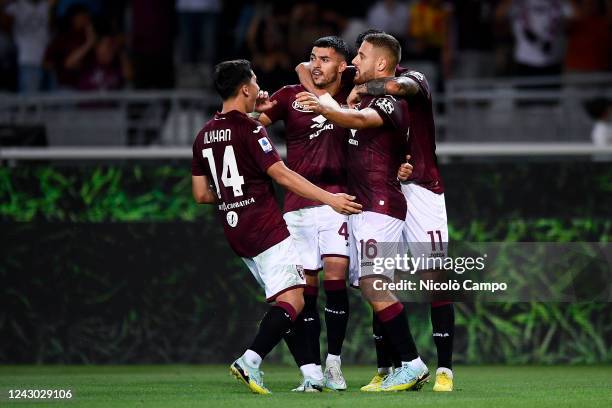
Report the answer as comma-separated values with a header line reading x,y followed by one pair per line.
x,y
385,105
232,218
265,144
321,126
299,107
238,204
258,129
352,140
300,271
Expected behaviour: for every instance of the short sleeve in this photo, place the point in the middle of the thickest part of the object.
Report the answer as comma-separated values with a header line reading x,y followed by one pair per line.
x,y
261,148
390,110
279,111
197,166
421,81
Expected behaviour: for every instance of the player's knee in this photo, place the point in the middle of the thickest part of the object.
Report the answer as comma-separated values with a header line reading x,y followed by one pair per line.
x,y
312,280
298,304
335,268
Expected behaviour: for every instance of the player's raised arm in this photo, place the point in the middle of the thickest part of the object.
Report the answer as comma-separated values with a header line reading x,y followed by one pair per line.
x,y
200,188
303,72
402,86
287,178
346,118
263,103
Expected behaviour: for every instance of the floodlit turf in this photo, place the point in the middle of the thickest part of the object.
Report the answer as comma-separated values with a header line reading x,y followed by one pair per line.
x,y
212,386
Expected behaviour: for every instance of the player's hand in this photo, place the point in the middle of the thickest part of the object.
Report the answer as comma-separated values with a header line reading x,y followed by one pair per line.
x,y
344,204
312,102
405,170
354,98
263,102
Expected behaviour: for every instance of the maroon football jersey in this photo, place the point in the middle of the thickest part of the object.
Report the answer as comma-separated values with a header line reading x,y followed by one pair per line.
x,y
316,148
234,152
422,140
375,155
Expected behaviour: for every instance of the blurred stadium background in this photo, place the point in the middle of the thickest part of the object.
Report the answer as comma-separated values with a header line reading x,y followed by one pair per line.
x,y
105,257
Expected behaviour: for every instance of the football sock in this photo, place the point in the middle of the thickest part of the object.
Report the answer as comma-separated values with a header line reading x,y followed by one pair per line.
x,y
312,321
313,371
252,358
397,331
443,325
274,325
298,344
336,314
332,359
383,357
416,364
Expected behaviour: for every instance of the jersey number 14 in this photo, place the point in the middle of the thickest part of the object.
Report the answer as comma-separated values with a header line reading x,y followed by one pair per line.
x,y
229,173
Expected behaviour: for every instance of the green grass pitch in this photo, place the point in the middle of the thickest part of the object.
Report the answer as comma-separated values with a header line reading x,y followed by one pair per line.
x,y
212,386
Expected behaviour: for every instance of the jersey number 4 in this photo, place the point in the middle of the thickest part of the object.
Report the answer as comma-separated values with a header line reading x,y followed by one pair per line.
x,y
229,173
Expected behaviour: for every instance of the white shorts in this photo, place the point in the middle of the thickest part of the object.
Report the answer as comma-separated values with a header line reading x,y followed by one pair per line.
x,y
318,232
277,269
426,228
373,236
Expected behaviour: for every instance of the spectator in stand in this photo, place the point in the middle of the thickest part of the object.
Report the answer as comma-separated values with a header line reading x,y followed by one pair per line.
x,y
71,47
390,16
30,26
537,26
152,43
267,44
310,21
429,34
475,38
589,43
107,68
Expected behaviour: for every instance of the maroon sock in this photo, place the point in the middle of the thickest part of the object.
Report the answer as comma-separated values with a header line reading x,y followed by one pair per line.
x,y
397,331
336,314
443,327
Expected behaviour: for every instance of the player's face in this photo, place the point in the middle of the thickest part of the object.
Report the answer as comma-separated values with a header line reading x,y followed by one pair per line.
x,y
326,66
365,63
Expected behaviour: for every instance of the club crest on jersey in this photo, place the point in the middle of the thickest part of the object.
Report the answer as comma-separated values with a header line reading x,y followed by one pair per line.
x,y
232,218
299,107
386,105
265,144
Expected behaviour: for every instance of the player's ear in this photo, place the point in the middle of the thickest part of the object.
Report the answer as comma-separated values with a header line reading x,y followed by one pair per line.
x,y
342,67
245,90
381,63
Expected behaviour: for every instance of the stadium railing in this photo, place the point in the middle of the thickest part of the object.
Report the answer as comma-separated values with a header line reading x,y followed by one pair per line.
x,y
480,117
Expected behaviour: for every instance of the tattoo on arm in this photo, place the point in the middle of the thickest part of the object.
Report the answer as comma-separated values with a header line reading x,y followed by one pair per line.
x,y
398,86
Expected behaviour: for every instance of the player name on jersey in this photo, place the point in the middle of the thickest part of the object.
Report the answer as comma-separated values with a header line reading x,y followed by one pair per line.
x,y
217,135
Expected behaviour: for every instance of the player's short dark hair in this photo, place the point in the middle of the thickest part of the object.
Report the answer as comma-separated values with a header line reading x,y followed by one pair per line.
x,y
361,36
332,41
389,43
230,75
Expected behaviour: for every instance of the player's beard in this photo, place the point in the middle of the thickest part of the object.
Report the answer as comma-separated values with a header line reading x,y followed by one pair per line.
x,y
363,77
325,82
